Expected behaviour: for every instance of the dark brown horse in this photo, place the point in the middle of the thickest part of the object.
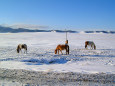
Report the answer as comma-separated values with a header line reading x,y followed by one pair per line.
x,y
90,43
62,47
21,46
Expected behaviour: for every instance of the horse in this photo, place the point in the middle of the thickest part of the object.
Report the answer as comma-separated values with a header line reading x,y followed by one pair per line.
x,y
90,43
62,47
21,46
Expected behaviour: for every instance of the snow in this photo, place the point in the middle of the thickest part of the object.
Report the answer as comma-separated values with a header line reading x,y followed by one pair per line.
x,y
41,57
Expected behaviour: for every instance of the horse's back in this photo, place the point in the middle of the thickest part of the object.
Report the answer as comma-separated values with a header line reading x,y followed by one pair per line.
x,y
62,47
89,42
22,45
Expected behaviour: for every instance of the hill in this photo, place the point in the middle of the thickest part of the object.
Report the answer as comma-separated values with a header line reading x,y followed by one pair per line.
x,y
12,30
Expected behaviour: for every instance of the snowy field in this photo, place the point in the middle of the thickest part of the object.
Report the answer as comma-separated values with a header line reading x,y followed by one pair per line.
x,y
40,56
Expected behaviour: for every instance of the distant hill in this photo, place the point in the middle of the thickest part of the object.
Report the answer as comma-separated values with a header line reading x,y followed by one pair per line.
x,y
70,31
11,30
107,32
62,31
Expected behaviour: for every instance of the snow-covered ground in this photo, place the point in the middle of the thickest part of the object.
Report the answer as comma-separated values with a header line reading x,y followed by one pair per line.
x,y
41,57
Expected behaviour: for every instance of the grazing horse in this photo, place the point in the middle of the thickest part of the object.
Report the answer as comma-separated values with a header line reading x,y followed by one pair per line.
x,y
90,43
21,46
62,47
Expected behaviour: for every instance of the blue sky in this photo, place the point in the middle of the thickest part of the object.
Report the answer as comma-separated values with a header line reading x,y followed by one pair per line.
x,y
60,14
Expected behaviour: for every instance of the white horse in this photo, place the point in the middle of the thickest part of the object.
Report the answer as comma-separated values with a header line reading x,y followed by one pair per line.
x,y
21,46
90,43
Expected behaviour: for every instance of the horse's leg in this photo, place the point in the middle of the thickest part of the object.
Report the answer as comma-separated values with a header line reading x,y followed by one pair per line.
x,y
94,47
26,50
20,50
66,51
85,46
58,52
61,51
91,47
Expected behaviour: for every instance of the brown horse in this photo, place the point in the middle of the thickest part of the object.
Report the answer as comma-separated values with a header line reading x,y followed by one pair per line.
x,y
21,46
62,47
90,43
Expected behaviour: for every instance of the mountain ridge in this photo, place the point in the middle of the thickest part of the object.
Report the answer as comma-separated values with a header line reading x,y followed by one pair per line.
x,y
18,30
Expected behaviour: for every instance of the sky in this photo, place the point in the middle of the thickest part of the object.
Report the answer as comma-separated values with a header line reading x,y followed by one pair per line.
x,y
59,14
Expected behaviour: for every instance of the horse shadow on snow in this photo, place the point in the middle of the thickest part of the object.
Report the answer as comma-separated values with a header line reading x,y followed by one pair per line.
x,y
45,61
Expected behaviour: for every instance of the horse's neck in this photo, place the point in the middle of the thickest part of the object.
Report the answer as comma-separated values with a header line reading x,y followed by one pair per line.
x,y
56,49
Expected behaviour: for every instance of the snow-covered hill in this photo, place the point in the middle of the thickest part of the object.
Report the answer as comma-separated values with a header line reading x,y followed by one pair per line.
x,y
4,29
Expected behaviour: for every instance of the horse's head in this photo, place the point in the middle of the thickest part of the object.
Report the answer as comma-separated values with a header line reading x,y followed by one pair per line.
x,y
94,47
18,49
55,51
